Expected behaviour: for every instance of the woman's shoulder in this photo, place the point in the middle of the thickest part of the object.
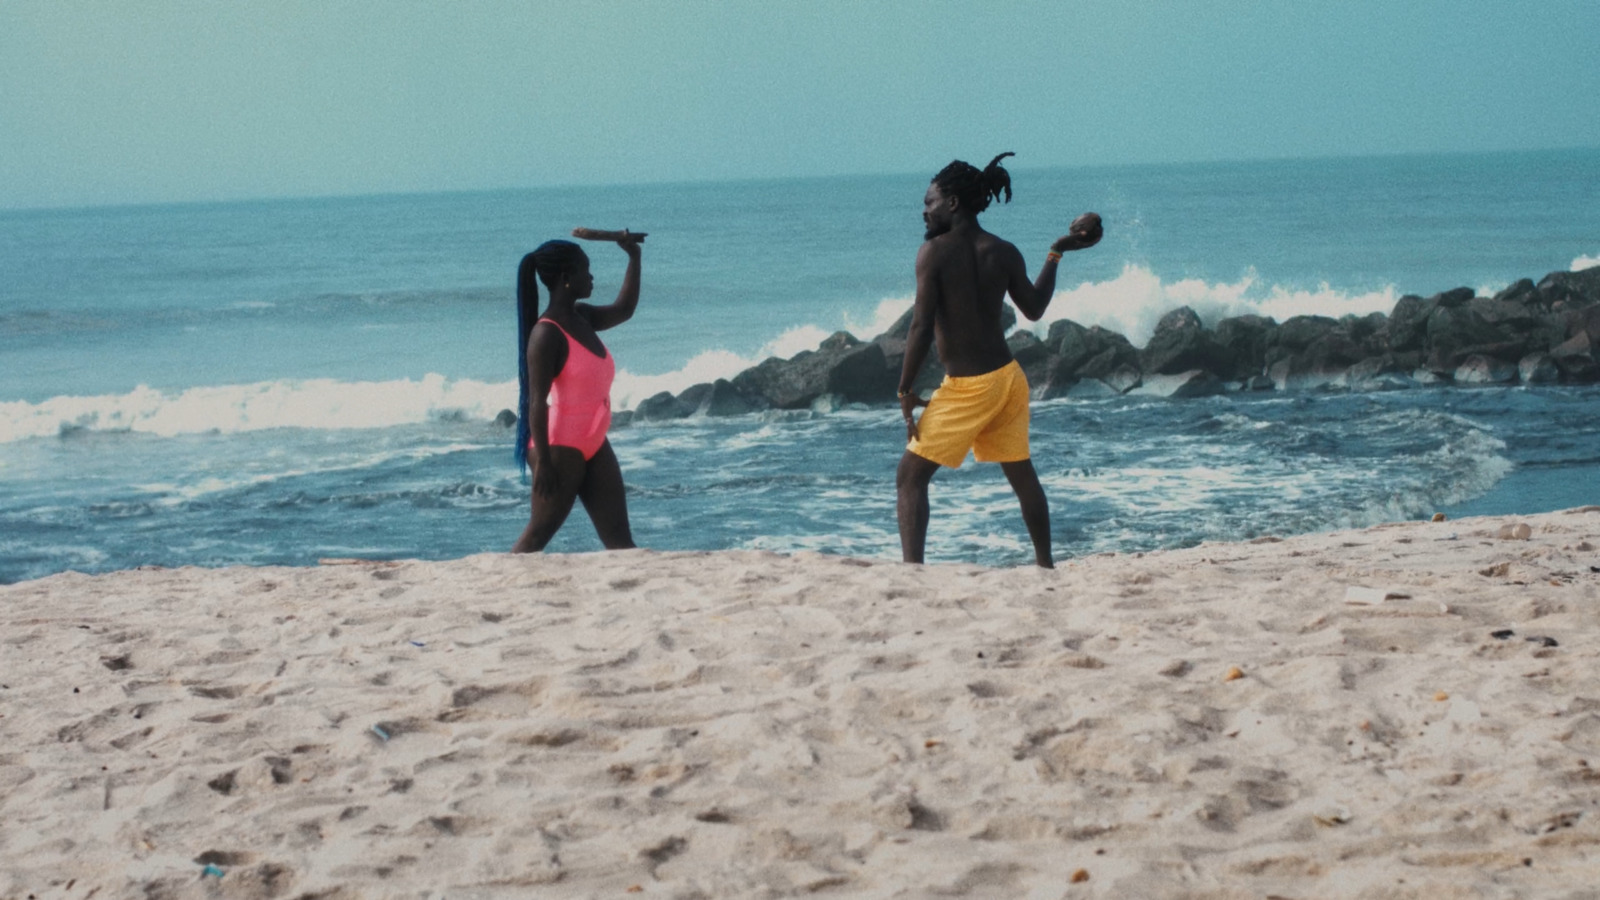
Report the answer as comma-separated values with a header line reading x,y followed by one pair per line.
x,y
548,326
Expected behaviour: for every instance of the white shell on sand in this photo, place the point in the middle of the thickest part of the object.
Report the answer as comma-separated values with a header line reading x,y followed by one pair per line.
x,y
746,724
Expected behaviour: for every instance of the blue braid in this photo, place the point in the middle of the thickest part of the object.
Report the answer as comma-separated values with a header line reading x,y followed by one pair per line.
x,y
553,257
524,328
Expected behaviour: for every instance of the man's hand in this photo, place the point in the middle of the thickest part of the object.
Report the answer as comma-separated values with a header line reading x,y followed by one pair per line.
x,y
1085,231
908,403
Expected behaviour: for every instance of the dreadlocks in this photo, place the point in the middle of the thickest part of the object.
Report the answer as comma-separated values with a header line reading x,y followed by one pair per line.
x,y
549,261
975,188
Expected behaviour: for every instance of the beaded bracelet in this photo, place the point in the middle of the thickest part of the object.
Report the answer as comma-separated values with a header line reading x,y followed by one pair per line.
x,y
1052,256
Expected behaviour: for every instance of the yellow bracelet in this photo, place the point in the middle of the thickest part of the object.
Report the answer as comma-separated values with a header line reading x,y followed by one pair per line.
x,y
1052,256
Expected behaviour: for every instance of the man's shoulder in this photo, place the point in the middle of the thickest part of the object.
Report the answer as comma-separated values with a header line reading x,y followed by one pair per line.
x,y
934,249
950,242
990,241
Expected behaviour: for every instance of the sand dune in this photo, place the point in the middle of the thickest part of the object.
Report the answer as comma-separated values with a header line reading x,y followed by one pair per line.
x,y
1330,715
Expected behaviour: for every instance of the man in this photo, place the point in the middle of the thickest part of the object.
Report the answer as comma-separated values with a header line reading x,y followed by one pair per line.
x,y
963,276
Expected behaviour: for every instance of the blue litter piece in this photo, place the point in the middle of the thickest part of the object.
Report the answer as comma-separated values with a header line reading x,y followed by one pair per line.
x,y
378,730
418,644
210,870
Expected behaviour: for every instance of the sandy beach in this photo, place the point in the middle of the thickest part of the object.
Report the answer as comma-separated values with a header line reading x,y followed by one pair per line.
x,y
1409,710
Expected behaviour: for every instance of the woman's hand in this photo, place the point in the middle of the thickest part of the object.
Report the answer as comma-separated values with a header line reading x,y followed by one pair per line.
x,y
623,237
546,480
1084,232
629,242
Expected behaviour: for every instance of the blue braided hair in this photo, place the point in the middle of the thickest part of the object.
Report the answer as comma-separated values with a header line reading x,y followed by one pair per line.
x,y
547,263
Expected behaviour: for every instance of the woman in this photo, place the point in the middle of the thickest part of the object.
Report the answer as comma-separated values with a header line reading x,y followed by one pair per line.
x,y
565,407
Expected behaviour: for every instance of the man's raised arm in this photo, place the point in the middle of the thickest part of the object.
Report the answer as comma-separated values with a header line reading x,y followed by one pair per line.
x,y
1033,298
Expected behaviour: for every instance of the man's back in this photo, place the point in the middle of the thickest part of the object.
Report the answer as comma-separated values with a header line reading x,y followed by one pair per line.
x,y
963,276
971,271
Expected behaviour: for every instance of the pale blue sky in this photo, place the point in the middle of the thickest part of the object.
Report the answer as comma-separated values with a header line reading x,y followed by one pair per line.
x,y
159,100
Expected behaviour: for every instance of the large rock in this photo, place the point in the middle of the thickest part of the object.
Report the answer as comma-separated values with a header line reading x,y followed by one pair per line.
x,y
893,343
1075,345
1505,313
1078,353
1123,378
1091,389
1459,331
862,374
721,398
1370,332
1538,368
1115,353
1242,341
1478,369
1524,292
1311,352
1181,343
854,371
1408,323
1575,357
1580,320
1300,332
1054,384
661,407
1032,354
1293,374
1180,386
1385,364
1561,289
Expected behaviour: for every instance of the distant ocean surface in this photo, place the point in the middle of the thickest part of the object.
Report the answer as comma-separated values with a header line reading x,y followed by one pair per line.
x,y
278,381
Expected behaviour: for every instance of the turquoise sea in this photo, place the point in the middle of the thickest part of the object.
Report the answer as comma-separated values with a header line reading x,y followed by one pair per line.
x,y
278,381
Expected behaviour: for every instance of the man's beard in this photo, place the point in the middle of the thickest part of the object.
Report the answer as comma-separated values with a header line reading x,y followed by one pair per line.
x,y
933,231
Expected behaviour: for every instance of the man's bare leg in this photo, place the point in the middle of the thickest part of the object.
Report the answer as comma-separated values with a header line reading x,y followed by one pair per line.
x,y
1035,508
911,482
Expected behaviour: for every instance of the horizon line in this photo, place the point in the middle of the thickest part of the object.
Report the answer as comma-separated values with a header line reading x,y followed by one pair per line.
x,y
763,179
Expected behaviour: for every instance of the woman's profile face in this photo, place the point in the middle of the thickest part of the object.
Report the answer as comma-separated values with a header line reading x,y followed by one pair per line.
x,y
581,279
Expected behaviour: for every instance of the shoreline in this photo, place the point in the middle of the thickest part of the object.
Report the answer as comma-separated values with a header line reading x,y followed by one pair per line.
x,y
1330,714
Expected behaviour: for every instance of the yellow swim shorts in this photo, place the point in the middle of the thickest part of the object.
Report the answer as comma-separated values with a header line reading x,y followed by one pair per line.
x,y
987,414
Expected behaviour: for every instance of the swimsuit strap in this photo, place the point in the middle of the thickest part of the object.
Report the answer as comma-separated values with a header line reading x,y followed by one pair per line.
x,y
574,340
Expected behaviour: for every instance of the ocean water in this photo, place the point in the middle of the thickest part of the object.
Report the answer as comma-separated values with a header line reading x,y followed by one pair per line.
x,y
274,382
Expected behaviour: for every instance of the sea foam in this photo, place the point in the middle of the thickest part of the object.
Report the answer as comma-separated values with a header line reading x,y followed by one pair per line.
x,y
313,403
1585,262
1134,301
1131,303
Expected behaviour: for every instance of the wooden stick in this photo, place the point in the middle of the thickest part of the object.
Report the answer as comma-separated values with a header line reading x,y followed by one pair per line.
x,y
600,234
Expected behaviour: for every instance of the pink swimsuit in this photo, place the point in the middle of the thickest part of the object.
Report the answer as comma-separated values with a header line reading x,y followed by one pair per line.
x,y
580,399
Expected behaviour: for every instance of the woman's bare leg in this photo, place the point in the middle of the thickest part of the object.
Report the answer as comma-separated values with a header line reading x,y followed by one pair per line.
x,y
606,499
549,512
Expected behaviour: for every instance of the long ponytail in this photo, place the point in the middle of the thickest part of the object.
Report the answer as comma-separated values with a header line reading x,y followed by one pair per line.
x,y
527,316
547,263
